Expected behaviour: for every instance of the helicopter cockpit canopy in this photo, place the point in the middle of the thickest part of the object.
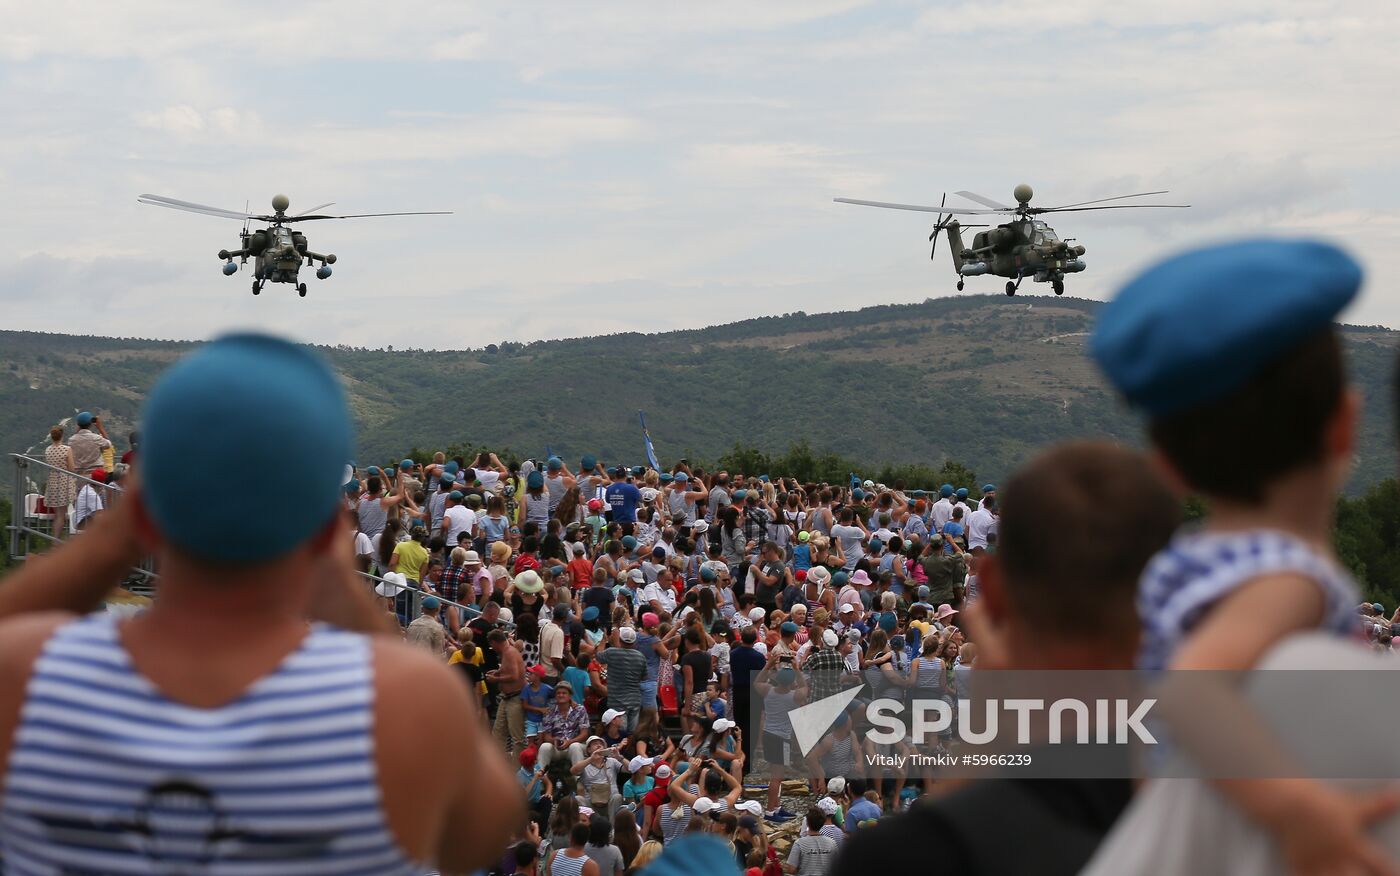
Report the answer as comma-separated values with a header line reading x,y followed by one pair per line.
x,y
1042,233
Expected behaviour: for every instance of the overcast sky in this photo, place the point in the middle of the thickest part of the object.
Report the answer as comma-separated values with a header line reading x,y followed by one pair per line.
x,y
649,166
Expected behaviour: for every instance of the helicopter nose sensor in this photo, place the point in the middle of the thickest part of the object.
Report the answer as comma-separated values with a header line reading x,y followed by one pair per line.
x,y
280,203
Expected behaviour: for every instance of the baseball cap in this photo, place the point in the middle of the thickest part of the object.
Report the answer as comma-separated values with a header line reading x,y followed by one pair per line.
x,y
243,403
578,548
593,739
752,807
595,505
826,806
636,576
537,669
663,771
627,634
804,536
612,715
757,613
722,725
702,805
847,608
836,785
639,762
649,619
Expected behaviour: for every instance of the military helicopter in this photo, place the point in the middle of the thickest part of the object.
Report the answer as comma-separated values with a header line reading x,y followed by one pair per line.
x,y
1024,247
278,251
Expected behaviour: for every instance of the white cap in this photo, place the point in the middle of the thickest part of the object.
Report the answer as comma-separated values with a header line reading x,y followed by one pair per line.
x,y
593,739
830,639
836,785
846,607
636,576
611,715
827,806
723,724
639,762
702,805
627,634
752,807
756,614
473,558
663,771
507,615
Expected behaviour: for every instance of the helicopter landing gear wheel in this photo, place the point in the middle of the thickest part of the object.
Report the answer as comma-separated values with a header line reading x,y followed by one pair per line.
x,y
1058,286
301,289
960,285
1010,288
257,287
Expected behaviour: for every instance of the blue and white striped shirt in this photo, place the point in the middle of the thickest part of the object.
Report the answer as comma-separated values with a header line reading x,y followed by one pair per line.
x,y
108,775
1198,569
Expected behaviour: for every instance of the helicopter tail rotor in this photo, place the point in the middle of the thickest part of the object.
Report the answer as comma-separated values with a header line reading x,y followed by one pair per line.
x,y
938,226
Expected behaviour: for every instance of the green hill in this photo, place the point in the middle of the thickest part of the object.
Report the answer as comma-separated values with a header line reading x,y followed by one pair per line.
x,y
982,380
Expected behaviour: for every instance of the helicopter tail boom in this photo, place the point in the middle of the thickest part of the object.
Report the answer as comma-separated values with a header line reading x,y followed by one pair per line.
x,y
955,244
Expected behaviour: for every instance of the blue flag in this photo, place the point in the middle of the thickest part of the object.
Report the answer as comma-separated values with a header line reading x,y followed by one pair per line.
x,y
646,436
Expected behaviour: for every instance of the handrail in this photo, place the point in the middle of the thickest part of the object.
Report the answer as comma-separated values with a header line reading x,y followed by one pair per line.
x,y
18,528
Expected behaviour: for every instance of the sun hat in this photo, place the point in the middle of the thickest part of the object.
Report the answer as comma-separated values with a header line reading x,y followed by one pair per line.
x,y
700,527
945,610
472,559
819,575
387,586
861,579
752,807
242,403
529,581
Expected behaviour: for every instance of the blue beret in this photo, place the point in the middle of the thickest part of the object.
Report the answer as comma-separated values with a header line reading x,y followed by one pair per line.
x,y
451,466
858,494
946,491
989,488
590,613
763,478
694,854
589,462
406,465
84,419
629,543
740,494
638,471
535,481
1199,325
962,492
244,403
353,487
788,628
555,463
681,477
431,603
665,477
707,573
374,470
456,495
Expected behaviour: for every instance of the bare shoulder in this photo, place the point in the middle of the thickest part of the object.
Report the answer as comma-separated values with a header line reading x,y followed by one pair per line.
x,y
414,683
22,637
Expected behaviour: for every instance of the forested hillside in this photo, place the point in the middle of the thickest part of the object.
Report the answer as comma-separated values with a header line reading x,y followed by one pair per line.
x,y
982,380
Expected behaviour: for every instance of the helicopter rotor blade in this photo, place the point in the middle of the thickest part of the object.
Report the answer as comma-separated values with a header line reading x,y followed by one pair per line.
x,y
918,208
984,201
314,209
1038,210
190,207
1103,200
369,215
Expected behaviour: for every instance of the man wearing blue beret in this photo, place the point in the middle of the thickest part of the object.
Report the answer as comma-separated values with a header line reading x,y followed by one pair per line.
x,y
1231,353
221,702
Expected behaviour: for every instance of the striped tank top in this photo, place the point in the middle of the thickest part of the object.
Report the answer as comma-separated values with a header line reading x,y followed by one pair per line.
x,y
108,775
564,865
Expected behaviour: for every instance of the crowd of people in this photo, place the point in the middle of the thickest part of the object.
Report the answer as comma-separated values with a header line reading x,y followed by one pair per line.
x,y
591,671
618,622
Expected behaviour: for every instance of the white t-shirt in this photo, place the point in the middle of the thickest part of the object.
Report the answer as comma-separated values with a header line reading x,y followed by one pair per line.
x,y
489,479
849,538
979,525
942,513
664,595
459,519
363,546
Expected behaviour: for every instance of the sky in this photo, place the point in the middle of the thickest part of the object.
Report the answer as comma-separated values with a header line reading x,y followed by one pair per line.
x,y
652,166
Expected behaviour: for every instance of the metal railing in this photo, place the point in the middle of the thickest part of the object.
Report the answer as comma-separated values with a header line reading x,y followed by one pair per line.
x,y
22,527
